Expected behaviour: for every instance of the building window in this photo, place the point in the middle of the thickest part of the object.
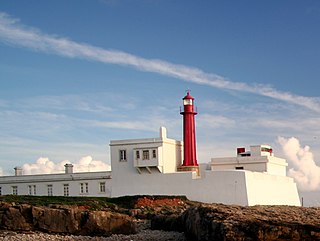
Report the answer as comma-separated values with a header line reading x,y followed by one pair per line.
x,y
239,168
123,155
65,189
32,190
50,190
102,187
137,154
0,190
15,190
84,187
154,154
145,155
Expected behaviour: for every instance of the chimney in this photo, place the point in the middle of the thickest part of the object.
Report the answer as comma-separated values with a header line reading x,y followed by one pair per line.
x,y
18,171
163,132
68,168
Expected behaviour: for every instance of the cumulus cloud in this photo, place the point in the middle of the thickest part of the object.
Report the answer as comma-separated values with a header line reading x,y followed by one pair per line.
x,y
304,169
45,166
15,34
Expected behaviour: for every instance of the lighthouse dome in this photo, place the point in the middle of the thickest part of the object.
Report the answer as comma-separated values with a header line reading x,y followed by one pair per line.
x,y
188,96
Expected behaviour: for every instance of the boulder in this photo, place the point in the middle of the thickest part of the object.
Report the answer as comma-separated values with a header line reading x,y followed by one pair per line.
x,y
107,223
15,218
65,220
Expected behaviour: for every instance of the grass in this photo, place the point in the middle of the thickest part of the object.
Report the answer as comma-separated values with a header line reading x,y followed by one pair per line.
x,y
91,202
96,203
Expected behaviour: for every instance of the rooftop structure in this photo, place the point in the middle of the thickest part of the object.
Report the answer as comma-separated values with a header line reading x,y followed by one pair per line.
x,y
260,158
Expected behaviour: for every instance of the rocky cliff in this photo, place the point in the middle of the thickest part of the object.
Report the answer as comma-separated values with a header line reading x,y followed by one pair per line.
x,y
198,221
64,219
225,222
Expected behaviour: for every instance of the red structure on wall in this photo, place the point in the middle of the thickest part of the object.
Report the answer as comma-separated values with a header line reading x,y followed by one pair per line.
x,y
189,132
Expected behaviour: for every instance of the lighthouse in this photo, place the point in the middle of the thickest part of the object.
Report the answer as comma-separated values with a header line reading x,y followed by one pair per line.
x,y
189,135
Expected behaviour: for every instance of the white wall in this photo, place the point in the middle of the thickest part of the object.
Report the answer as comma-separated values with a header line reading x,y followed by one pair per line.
x,y
171,153
228,187
264,189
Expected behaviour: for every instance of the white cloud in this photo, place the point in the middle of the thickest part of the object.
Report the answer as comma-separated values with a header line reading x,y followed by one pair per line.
x,y
44,166
12,33
305,171
87,164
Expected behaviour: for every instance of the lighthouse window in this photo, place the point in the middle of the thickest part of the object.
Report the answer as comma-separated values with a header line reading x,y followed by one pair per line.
x,y
145,155
187,102
154,154
137,154
123,155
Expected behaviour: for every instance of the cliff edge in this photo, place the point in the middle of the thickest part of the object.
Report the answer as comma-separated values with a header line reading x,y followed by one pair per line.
x,y
125,215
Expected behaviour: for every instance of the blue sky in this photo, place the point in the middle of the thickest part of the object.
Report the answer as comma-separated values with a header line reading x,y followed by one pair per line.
x,y
76,74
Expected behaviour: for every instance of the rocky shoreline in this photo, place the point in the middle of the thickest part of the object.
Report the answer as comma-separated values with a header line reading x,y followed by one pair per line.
x,y
153,218
144,235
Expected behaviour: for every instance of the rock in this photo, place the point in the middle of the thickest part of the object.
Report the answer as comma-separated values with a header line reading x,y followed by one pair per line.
x,y
66,220
167,223
222,222
198,221
107,223
12,218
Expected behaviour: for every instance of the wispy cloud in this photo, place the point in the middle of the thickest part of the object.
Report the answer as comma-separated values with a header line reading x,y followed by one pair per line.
x,y
13,33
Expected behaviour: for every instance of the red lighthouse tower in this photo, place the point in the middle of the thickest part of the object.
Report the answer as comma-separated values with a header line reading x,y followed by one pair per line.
x,y
189,135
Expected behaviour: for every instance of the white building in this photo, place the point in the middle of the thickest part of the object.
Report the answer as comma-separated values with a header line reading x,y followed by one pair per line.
x,y
161,166
149,167
64,184
251,178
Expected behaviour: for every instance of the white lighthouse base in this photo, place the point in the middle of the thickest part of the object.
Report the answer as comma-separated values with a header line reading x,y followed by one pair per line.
x,y
189,169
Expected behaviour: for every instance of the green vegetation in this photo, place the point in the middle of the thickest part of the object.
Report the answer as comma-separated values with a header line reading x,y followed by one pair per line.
x,y
93,203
